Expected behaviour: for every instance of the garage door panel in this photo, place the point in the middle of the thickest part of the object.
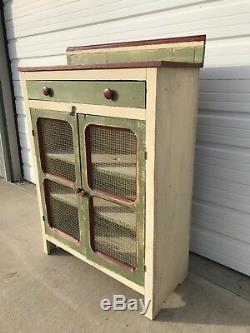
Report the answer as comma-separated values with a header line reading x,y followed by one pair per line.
x,y
229,85
20,106
237,170
223,153
28,173
222,139
239,180
226,120
22,123
24,141
222,197
26,155
225,105
225,250
222,97
222,220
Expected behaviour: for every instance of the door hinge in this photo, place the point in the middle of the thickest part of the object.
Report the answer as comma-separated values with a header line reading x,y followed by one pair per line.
x,y
145,268
43,218
33,133
146,155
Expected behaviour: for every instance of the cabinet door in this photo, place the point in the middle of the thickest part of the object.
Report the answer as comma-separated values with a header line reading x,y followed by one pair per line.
x,y
113,177
57,153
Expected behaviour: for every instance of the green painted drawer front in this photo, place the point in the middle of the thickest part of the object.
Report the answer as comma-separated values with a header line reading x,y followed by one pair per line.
x,y
126,93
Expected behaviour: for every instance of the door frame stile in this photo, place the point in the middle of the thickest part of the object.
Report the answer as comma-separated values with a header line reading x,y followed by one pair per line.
x,y
150,193
47,245
72,121
138,127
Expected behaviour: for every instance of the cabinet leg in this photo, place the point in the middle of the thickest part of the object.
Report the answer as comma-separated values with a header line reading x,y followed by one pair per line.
x,y
151,311
149,314
48,247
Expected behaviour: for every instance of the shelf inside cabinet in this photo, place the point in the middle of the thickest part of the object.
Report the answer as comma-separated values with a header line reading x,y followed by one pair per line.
x,y
68,198
120,165
62,156
124,218
117,242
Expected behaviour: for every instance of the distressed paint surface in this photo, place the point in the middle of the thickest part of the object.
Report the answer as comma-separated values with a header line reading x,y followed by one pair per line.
x,y
73,200
126,94
138,127
82,203
190,54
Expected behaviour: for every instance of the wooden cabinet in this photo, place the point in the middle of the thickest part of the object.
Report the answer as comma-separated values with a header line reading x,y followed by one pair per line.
x,y
114,148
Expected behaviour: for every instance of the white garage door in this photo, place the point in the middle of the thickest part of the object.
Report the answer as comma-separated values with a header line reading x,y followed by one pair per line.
x,y
39,32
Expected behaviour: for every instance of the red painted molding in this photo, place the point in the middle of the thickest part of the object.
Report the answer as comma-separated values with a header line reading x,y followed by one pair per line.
x,y
198,38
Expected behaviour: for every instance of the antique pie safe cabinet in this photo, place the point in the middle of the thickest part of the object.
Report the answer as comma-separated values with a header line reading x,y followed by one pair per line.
x,y
114,134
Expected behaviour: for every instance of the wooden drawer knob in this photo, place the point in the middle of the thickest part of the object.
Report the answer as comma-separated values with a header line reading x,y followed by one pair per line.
x,y
108,93
47,91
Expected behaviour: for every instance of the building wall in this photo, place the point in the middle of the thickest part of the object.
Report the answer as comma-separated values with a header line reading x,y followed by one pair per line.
x,y
10,168
40,31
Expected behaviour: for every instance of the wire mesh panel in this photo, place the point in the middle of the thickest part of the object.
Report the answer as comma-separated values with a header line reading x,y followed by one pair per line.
x,y
61,169
56,147
112,160
62,213
113,231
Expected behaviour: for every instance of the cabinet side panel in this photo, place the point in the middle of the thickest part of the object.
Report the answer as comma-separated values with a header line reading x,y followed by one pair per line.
x,y
176,111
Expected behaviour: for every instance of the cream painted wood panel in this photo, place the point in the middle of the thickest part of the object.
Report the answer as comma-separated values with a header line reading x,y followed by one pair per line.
x,y
39,36
170,160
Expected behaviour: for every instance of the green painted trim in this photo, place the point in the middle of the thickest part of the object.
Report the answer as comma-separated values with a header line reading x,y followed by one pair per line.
x,y
199,54
138,127
73,121
189,54
126,93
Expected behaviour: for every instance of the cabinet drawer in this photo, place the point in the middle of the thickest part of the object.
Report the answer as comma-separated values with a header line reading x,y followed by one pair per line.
x,y
124,93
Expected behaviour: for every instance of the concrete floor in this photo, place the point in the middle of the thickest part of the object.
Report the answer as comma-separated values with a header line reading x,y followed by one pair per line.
x,y
59,293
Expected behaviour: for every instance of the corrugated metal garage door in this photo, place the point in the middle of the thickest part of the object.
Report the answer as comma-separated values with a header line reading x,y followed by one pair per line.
x,y
39,32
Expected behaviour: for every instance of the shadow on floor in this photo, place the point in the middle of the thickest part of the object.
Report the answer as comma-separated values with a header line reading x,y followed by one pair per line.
x,y
197,301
